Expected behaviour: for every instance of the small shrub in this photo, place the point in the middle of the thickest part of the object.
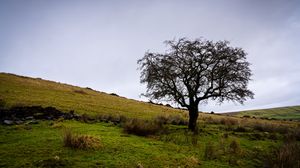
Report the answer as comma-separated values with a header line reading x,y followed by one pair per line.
x,y
194,140
163,119
85,118
233,160
177,120
103,117
296,133
192,162
210,151
258,126
265,127
80,91
80,141
86,142
222,145
240,129
142,127
119,119
114,94
234,147
89,88
211,120
229,121
273,136
225,135
287,155
257,136
116,119
290,137
171,119
68,137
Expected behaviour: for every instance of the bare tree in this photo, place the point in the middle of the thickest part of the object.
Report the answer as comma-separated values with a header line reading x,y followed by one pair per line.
x,y
193,71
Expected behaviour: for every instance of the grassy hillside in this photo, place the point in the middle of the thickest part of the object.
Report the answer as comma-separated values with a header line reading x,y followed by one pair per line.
x,y
18,90
220,141
287,113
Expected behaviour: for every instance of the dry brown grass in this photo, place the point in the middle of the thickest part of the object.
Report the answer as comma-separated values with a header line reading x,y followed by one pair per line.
x,y
192,161
76,141
171,119
287,155
142,127
210,151
234,147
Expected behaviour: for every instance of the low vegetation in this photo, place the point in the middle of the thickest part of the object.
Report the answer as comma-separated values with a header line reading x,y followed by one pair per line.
x,y
152,136
76,141
142,127
287,155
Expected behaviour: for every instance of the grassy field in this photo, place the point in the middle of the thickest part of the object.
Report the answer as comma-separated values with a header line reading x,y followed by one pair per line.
x,y
283,113
17,90
220,141
27,148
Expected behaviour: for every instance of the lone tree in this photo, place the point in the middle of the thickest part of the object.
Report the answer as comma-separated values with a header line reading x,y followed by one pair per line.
x,y
194,71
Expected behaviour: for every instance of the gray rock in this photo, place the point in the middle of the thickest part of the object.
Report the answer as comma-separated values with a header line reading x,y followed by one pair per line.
x,y
49,118
33,122
29,118
8,122
19,122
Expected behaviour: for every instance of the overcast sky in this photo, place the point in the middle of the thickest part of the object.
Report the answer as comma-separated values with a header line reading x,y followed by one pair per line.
x,y
97,43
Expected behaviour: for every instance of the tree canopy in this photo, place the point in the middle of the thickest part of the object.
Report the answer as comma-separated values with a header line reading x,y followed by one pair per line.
x,y
192,71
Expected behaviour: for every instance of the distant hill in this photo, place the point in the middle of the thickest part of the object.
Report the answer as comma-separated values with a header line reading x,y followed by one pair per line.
x,y
20,90
287,113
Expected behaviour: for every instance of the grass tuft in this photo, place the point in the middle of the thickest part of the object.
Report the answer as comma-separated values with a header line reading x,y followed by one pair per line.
x,y
142,127
287,155
234,147
210,151
80,141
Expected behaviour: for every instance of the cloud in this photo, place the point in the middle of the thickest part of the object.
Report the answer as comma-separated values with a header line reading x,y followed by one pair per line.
x,y
97,43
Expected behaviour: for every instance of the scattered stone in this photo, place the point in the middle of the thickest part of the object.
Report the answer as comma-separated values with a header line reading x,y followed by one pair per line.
x,y
29,118
8,122
49,118
19,122
139,165
33,122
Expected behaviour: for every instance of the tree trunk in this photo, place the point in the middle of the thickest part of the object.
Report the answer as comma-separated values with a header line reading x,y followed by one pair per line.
x,y
193,114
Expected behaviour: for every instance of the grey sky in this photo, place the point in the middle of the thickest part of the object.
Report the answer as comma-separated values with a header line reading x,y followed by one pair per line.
x,y
97,43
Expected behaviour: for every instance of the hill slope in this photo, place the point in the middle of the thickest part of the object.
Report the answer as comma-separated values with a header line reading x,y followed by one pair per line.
x,y
290,112
19,90
220,141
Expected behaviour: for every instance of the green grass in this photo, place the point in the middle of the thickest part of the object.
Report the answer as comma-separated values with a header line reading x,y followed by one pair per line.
x,y
35,145
287,113
26,148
